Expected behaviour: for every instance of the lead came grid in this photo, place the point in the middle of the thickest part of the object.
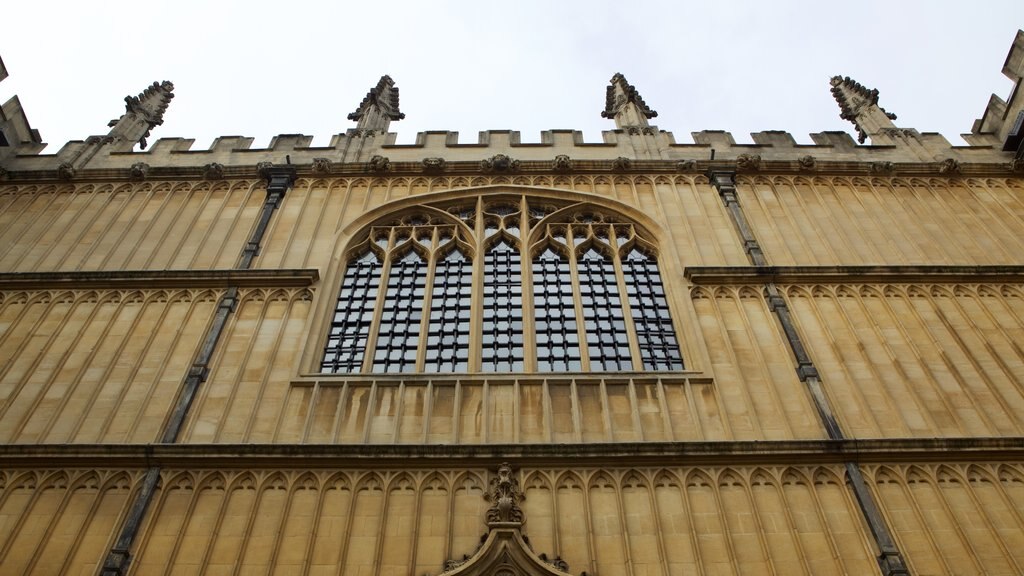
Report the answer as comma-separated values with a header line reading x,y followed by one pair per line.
x,y
398,337
353,316
502,336
558,347
607,340
448,332
654,332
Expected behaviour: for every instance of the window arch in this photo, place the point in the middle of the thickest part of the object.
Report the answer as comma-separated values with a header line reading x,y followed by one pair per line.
x,y
502,284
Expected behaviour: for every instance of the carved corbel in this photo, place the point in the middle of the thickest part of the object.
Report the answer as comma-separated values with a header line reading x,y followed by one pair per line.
x,y
562,163
139,170
883,167
622,163
213,171
499,163
321,165
379,164
748,162
434,164
808,162
263,169
949,166
66,171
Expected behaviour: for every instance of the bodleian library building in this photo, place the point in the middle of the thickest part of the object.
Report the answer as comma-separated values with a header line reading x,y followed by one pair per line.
x,y
632,357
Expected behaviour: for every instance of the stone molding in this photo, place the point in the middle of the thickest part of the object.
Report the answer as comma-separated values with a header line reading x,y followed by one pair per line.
x,y
619,454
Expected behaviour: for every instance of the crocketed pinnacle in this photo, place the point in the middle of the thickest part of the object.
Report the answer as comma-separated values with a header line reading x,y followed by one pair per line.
x,y
142,114
859,105
379,107
624,104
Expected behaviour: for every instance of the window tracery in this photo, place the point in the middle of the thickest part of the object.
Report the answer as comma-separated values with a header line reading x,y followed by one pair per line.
x,y
502,284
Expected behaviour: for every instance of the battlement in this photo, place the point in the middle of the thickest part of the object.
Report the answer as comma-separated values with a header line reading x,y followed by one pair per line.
x,y
995,139
565,146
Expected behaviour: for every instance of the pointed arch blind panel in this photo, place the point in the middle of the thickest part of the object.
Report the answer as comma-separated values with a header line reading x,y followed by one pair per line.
x,y
502,284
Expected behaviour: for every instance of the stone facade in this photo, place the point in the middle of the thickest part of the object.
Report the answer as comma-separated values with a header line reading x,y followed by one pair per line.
x,y
849,318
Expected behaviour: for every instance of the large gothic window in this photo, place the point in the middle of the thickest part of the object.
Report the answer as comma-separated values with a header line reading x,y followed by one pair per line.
x,y
502,284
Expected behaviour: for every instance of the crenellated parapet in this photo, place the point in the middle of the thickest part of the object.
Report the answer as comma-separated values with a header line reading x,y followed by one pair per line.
x,y
1002,123
558,150
16,135
995,143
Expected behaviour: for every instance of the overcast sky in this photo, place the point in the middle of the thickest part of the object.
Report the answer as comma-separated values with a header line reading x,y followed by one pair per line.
x,y
264,68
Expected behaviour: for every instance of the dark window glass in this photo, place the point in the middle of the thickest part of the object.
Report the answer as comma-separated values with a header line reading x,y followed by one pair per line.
x,y
398,335
607,339
659,348
558,346
353,315
447,347
502,337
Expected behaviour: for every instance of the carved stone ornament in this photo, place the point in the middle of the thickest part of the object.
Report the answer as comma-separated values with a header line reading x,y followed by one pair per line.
x,y
379,164
434,164
321,165
562,163
898,132
263,168
504,495
949,166
882,167
686,165
807,162
213,171
139,170
622,163
504,550
65,171
640,130
1016,165
3,173
748,162
499,163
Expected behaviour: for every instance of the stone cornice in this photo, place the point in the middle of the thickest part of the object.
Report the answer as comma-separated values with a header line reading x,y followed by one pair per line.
x,y
560,455
158,279
794,167
729,275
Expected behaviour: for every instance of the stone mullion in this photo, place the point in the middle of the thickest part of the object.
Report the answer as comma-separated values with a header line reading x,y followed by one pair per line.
x,y
526,294
428,300
119,557
890,560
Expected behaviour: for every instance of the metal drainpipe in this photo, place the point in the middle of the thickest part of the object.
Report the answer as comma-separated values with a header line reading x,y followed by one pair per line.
x,y
890,561
279,179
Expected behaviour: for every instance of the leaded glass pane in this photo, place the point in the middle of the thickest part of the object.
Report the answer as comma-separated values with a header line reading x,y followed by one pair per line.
x,y
604,321
558,347
398,336
659,348
447,346
502,337
353,316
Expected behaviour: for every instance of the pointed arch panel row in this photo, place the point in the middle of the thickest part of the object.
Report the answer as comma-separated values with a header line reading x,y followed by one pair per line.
x,y
829,221
101,366
126,226
918,360
61,521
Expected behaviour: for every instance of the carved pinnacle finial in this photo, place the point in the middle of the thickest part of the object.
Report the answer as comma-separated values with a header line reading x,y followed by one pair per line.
x,y
379,107
860,106
142,114
624,104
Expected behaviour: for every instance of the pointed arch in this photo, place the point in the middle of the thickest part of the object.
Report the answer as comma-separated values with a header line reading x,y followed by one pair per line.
x,y
493,329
